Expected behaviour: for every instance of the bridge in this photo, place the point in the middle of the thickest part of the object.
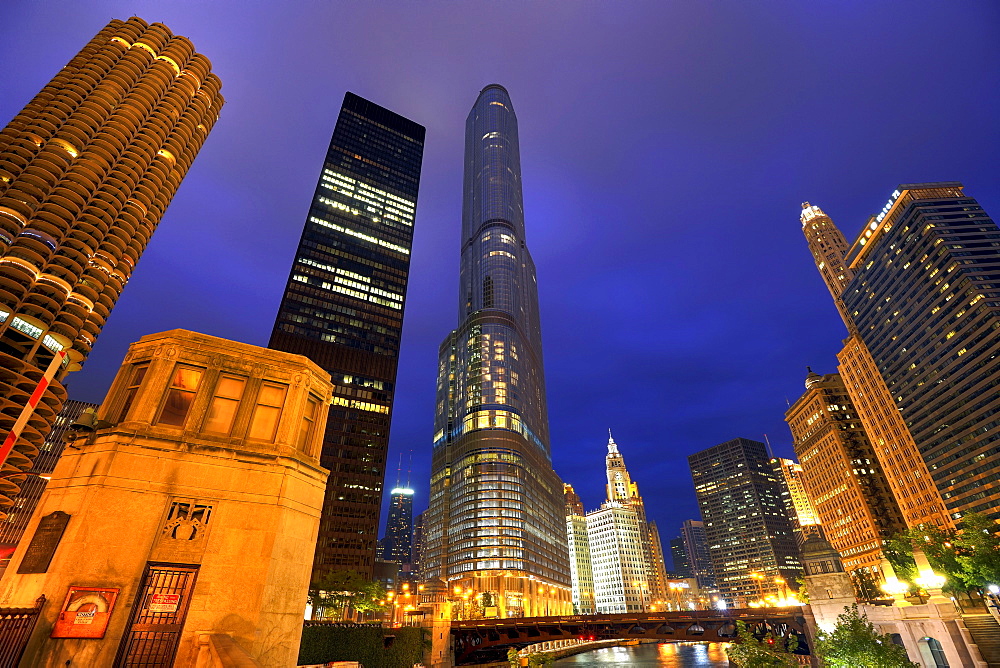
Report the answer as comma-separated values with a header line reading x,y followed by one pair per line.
x,y
484,640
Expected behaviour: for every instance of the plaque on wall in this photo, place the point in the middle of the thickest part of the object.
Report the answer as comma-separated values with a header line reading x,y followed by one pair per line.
x,y
42,547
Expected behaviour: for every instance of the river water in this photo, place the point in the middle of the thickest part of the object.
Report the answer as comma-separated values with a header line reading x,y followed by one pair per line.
x,y
672,655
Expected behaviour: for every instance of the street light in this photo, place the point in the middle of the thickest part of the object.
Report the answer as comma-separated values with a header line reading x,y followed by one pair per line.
x,y
759,578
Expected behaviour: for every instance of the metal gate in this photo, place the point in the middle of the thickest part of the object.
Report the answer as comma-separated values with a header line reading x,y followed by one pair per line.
x,y
154,627
16,625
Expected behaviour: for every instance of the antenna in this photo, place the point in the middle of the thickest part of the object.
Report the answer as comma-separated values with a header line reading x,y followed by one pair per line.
x,y
409,469
399,469
770,452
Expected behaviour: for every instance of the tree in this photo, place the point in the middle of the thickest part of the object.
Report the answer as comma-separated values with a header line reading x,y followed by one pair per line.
x,y
769,652
969,559
856,642
513,657
978,551
865,585
337,591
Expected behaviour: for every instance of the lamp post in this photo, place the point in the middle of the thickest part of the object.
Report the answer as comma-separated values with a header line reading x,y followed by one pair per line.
x,y
759,578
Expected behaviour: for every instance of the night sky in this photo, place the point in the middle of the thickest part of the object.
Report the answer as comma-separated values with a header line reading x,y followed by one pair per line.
x,y
666,148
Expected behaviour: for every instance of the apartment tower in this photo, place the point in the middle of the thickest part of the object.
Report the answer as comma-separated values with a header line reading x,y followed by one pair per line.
x,y
748,531
343,309
841,473
905,470
496,519
922,304
87,169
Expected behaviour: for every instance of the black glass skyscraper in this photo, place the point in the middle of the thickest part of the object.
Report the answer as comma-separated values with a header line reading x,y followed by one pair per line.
x,y
397,544
495,521
343,308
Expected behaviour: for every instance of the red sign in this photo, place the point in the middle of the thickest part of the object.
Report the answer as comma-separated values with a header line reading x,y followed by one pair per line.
x,y
85,613
164,602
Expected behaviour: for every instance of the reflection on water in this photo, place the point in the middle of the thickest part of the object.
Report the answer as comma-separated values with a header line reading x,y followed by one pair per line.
x,y
674,655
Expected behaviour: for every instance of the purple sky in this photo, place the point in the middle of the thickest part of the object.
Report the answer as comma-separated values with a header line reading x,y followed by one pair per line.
x,y
665,147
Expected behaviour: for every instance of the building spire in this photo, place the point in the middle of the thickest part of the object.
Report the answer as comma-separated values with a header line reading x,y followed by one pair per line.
x,y
612,446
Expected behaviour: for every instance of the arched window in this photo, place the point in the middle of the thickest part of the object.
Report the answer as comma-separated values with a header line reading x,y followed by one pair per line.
x,y
932,653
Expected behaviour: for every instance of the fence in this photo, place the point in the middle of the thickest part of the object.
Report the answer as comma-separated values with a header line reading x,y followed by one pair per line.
x,y
16,625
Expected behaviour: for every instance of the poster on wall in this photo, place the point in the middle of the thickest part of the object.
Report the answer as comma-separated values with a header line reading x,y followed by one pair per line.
x,y
85,613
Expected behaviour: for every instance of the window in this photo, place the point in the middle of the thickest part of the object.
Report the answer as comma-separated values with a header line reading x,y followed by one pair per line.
x,y
180,395
138,373
307,429
268,410
222,410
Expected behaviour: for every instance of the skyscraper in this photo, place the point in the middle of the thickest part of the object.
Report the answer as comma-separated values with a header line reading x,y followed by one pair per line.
x,y
87,169
679,555
397,544
496,520
343,309
923,301
842,474
698,556
798,507
748,532
906,473
581,569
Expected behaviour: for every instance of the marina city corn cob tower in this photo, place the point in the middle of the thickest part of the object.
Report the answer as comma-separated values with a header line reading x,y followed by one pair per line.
x,y
496,522
87,169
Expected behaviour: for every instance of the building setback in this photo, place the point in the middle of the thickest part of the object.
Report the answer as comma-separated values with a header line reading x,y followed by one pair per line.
x,y
842,474
87,169
905,470
343,309
746,526
496,521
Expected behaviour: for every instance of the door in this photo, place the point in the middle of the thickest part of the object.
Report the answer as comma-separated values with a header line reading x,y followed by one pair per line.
x,y
154,627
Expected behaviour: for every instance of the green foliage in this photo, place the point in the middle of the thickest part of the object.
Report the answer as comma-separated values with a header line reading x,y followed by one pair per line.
x,y
803,590
855,642
513,657
969,559
488,600
865,586
979,551
337,591
364,644
769,652
539,659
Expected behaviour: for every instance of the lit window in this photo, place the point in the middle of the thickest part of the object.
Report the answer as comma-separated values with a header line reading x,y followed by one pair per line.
x,y
180,396
222,410
268,410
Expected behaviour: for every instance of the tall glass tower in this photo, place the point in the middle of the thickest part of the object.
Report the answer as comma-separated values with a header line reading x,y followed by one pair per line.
x,y
496,521
343,309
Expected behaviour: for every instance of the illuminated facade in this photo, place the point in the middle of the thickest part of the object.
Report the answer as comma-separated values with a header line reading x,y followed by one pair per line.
x,y
397,544
581,569
905,471
925,302
87,169
626,555
800,511
343,309
749,534
841,473
496,521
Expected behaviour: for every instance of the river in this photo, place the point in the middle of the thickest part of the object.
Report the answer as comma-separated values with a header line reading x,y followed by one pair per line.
x,y
664,655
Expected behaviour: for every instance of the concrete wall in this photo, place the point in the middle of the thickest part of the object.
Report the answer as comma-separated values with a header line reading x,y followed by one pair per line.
x,y
126,486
